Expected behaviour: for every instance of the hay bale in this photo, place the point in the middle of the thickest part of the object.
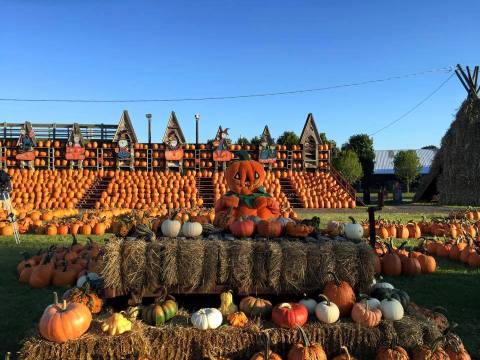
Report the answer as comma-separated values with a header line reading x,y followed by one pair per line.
x,y
111,270
223,267
179,341
260,255
153,265
294,267
319,260
95,344
274,266
210,264
190,254
241,265
133,265
168,265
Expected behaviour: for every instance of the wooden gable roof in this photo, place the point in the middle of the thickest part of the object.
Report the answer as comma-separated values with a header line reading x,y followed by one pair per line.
x,y
174,126
310,129
125,125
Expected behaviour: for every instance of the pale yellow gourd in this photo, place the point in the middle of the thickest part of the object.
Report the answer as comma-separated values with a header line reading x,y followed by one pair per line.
x,y
116,324
227,306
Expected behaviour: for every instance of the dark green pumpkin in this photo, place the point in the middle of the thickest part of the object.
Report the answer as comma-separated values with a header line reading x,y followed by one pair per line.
x,y
158,313
397,294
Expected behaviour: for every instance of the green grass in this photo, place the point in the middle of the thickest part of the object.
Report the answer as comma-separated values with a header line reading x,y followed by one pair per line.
x,y
453,286
360,214
21,305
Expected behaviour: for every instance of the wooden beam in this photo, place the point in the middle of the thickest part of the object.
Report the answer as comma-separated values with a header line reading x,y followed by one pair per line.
x,y
457,72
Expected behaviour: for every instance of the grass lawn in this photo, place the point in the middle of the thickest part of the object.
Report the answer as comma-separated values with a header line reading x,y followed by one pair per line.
x,y
454,287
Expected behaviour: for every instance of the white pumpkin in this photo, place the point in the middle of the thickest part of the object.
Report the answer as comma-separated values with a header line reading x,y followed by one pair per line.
x,y
192,229
353,230
171,228
381,285
391,309
326,311
91,276
208,318
372,303
309,303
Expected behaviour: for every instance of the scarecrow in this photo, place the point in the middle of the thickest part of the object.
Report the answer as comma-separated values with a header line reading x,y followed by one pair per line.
x,y
124,151
75,151
174,150
247,196
221,152
26,143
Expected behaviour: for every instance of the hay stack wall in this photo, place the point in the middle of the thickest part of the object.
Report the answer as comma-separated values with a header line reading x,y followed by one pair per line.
x,y
459,178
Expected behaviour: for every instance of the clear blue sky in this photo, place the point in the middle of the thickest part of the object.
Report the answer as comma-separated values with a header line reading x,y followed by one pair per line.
x,y
141,49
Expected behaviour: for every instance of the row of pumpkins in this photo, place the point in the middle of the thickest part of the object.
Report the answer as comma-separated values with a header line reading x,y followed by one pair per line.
x,y
339,299
464,250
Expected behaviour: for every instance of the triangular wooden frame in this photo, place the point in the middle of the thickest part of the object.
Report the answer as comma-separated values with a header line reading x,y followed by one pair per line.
x,y
310,129
75,129
125,125
174,126
469,80
266,135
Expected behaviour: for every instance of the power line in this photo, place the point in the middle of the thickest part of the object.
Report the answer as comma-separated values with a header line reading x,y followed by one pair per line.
x,y
424,100
291,92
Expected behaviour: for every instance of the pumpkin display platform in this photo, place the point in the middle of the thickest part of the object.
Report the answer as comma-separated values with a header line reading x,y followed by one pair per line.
x,y
180,341
246,266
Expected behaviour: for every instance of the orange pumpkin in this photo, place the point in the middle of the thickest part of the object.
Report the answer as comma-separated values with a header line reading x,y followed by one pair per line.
x,y
60,323
245,176
341,294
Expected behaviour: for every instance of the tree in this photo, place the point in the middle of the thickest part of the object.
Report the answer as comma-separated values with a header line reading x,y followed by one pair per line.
x,y
406,166
362,145
243,141
348,164
255,141
288,138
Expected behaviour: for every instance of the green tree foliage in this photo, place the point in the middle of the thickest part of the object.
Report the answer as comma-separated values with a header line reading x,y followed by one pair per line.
x,y
348,164
242,141
288,138
255,140
406,166
362,145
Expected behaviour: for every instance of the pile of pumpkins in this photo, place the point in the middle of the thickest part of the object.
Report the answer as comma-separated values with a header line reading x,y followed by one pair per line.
x,y
61,265
392,261
465,250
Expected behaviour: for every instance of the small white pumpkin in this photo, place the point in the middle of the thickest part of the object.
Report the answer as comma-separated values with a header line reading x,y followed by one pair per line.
x,y
309,303
208,318
391,309
192,229
326,311
91,276
353,230
372,302
171,228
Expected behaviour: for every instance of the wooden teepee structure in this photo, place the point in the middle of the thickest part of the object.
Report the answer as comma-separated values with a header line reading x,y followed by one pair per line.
x,y
454,173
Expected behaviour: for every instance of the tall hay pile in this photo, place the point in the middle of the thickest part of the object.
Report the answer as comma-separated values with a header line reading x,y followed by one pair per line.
x,y
245,266
179,341
456,167
459,180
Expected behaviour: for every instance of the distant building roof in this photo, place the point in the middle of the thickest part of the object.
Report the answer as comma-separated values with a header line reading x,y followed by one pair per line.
x,y
384,160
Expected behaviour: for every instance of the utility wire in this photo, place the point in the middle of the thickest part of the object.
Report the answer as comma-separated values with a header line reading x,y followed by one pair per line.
x,y
292,92
424,100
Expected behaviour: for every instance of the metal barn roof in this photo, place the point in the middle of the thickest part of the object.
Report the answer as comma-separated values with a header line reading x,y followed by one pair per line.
x,y
384,160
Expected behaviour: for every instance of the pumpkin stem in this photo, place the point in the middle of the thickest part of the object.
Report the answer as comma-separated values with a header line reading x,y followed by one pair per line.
x,y
345,350
352,219
55,298
304,336
267,346
64,305
335,278
7,355
322,296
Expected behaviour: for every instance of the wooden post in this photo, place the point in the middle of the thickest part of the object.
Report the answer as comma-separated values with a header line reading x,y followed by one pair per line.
x,y
371,221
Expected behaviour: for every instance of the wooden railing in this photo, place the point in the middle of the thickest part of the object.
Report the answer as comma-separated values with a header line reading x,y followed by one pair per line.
x,y
344,183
